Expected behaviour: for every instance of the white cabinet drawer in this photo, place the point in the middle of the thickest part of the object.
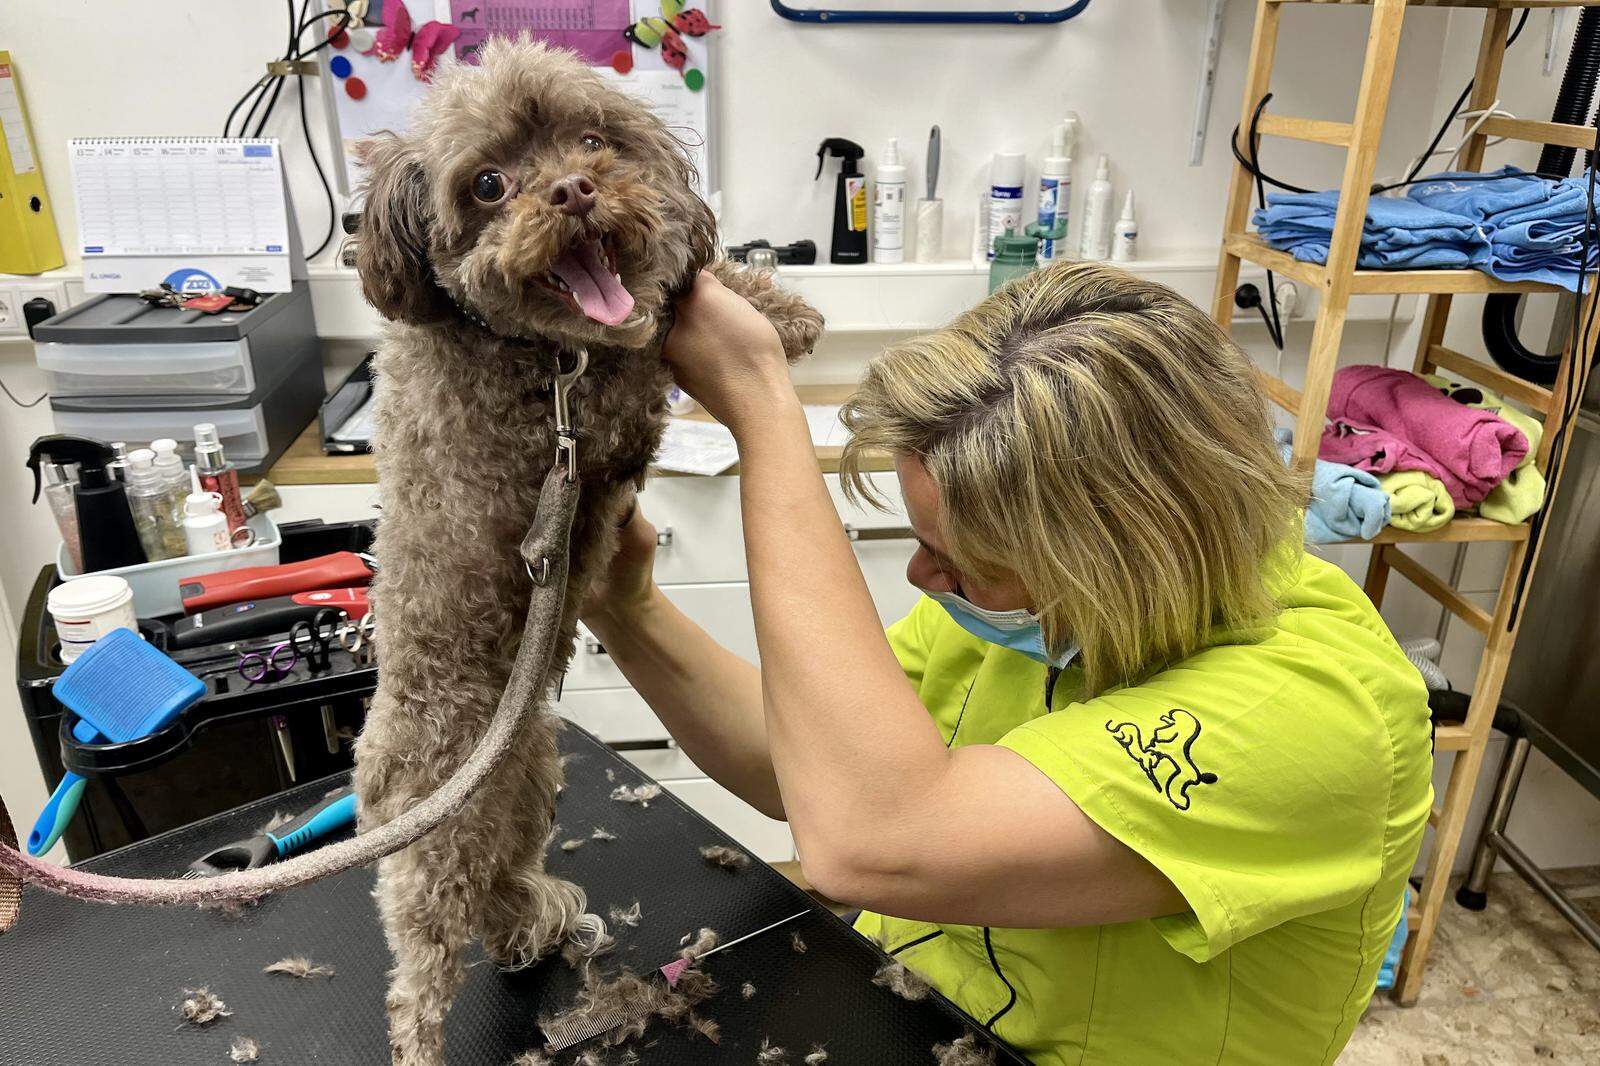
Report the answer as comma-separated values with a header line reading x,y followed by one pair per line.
x,y
331,503
615,715
763,837
664,764
721,610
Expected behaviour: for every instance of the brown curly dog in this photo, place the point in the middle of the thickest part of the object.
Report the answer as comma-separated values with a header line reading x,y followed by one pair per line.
x,y
532,211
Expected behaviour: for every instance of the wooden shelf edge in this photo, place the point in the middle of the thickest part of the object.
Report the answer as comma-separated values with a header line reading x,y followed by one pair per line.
x,y
1452,736
1469,530
1386,282
1487,374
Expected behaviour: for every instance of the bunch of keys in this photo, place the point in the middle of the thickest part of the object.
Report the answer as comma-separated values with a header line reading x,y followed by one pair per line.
x,y
210,303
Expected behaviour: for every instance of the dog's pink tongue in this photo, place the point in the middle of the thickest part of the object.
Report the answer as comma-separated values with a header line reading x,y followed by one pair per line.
x,y
599,293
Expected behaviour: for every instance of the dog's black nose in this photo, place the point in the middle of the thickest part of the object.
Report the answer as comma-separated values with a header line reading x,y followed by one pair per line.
x,y
573,194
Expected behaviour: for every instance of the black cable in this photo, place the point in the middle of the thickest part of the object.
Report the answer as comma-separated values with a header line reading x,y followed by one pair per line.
x,y
227,123
1275,322
305,132
13,397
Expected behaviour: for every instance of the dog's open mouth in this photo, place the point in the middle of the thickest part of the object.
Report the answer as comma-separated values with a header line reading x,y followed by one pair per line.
x,y
586,275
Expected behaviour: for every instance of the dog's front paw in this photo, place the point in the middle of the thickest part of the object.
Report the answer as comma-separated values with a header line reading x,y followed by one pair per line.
x,y
797,322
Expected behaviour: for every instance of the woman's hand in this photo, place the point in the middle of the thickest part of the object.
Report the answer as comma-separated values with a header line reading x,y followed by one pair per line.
x,y
627,583
725,354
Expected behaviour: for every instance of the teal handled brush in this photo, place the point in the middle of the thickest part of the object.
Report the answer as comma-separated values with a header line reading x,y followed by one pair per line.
x,y
121,689
336,811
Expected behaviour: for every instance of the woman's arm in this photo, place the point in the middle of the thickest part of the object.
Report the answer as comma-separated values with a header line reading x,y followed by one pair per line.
x,y
883,814
708,698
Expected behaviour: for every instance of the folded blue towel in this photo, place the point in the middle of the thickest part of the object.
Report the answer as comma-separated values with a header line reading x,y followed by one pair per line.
x,y
1467,194
1346,503
1398,233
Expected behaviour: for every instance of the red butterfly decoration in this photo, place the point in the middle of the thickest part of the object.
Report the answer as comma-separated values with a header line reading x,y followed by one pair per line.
x,y
428,45
395,35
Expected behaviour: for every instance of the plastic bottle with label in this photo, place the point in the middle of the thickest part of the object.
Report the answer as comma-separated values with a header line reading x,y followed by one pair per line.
x,y
205,529
152,502
1097,220
889,207
1006,175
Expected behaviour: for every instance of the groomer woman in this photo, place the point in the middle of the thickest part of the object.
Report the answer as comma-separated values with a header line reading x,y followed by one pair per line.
x,y
1138,780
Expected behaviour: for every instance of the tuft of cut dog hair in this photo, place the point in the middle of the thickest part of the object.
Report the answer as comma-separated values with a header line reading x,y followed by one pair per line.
x,y
602,833
798,943
524,163
244,1049
626,916
640,794
725,857
817,1056
901,980
748,990
298,966
640,1000
963,1052
770,1054
200,1007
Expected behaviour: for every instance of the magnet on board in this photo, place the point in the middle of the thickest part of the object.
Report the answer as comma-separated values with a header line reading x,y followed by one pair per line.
x,y
361,40
622,60
694,79
338,39
339,67
355,88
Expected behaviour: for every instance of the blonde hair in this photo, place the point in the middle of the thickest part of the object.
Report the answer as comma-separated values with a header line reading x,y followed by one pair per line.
x,y
1099,437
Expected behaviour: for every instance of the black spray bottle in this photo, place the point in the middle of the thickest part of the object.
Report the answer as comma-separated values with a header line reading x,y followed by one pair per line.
x,y
849,201
106,532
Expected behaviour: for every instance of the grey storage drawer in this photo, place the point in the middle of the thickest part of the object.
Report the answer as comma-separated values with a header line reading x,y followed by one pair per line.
x,y
118,345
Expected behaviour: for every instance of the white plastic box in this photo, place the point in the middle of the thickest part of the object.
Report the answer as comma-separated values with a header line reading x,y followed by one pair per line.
x,y
155,585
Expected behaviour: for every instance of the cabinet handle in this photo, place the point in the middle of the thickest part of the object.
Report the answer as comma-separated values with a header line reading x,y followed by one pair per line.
x,y
880,533
593,646
664,537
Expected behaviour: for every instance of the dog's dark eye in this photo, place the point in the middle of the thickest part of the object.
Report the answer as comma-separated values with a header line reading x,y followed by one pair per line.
x,y
489,187
593,141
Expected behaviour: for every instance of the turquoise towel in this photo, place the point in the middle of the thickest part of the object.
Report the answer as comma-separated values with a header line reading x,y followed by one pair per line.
x,y
1346,503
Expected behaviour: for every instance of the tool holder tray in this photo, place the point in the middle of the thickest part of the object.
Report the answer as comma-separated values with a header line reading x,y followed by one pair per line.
x,y
228,696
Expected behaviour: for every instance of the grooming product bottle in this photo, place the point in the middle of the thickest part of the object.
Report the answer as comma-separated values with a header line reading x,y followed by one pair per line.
x,y
1006,175
1055,191
1125,238
217,474
930,209
58,481
105,527
205,529
1014,256
849,201
174,474
889,207
119,463
155,508
1097,218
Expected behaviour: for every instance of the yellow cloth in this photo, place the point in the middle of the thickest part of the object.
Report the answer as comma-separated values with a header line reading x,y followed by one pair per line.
x,y
1521,494
1418,502
1281,780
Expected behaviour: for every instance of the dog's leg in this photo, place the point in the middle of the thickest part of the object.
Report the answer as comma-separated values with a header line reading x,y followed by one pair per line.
x,y
797,322
426,916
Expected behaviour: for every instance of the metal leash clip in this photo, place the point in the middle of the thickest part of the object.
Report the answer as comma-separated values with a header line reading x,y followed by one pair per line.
x,y
566,436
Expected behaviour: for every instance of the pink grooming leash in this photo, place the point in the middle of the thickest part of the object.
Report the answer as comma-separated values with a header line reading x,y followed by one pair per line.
x,y
545,550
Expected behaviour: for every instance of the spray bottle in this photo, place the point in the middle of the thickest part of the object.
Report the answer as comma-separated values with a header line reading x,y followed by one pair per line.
x,y
105,530
889,207
58,480
849,201
1055,191
1097,218
1005,195
217,474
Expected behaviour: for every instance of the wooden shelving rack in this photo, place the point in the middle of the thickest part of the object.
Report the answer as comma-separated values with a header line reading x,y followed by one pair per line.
x,y
1336,282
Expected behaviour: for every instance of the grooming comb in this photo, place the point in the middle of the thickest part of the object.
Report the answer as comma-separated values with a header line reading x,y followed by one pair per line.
x,y
562,1034
121,689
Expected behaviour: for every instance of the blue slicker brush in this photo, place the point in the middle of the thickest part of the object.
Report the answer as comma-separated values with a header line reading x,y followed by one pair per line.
x,y
121,689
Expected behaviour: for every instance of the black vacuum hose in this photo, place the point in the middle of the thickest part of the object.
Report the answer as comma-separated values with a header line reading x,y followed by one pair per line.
x,y
1573,102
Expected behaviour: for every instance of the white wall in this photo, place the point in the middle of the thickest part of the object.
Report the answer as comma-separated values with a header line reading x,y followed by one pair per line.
x,y
1128,67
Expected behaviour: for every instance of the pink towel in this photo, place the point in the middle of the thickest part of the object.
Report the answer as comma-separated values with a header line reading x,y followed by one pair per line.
x,y
1410,425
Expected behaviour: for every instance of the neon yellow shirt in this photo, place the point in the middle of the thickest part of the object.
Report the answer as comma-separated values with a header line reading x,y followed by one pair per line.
x,y
1283,786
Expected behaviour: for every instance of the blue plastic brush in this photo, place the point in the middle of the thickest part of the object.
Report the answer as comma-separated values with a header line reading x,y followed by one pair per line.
x,y
121,689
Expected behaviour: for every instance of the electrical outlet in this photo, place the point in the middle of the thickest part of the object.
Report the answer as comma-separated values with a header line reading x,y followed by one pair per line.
x,y
15,293
1288,299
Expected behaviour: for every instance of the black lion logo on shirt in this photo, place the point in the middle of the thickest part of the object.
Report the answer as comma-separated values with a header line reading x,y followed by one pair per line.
x,y
1168,759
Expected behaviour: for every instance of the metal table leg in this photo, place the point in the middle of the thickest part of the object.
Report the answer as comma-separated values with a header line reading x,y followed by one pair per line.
x,y
1474,893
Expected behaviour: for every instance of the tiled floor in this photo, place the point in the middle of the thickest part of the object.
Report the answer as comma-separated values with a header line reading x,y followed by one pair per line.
x,y
1510,985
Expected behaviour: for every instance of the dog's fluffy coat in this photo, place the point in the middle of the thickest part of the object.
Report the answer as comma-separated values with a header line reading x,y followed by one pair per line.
x,y
465,439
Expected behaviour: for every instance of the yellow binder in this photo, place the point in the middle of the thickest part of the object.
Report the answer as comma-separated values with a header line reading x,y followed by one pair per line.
x,y
28,241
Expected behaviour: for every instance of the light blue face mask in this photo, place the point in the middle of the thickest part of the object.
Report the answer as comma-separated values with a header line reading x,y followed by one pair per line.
x,y
1018,629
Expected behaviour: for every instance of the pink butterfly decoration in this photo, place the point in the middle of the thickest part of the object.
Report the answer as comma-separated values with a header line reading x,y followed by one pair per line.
x,y
395,34
428,45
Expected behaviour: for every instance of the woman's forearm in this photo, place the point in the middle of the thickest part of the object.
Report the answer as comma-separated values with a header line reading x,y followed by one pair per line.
x,y
708,698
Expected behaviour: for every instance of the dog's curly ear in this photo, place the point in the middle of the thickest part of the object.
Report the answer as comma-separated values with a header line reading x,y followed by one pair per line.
x,y
702,236
392,242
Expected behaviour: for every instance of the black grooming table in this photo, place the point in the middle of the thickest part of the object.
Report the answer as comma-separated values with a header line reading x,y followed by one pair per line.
x,y
91,984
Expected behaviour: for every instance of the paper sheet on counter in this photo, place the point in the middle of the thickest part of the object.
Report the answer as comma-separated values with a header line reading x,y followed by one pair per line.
x,y
691,447
826,429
